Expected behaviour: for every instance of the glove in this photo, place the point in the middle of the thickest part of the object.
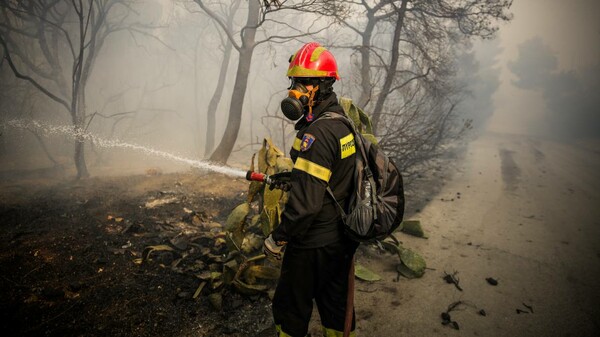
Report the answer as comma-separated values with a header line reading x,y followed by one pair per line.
x,y
273,248
280,181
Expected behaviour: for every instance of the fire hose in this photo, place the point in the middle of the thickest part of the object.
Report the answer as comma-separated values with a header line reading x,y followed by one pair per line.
x,y
260,177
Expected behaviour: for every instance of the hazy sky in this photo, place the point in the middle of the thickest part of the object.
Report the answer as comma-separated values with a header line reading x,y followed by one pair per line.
x,y
571,28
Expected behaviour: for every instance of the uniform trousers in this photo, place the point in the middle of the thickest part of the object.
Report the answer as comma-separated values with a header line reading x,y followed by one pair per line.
x,y
316,273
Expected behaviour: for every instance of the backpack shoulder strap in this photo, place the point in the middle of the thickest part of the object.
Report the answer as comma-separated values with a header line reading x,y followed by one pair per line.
x,y
362,153
335,116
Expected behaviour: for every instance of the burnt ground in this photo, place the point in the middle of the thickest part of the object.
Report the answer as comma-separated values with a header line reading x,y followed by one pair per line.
x,y
69,262
71,250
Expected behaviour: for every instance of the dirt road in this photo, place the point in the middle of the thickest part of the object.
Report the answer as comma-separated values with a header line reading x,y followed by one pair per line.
x,y
525,212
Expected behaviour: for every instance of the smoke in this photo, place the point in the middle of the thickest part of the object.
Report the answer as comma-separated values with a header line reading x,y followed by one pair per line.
x,y
570,96
478,72
535,64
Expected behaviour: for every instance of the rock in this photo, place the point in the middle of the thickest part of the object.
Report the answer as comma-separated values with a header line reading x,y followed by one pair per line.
x,y
492,281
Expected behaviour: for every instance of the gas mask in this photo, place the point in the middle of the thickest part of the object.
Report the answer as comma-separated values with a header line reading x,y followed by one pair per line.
x,y
298,99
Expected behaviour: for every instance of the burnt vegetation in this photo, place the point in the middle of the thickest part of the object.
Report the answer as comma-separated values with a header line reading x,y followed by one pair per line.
x,y
86,259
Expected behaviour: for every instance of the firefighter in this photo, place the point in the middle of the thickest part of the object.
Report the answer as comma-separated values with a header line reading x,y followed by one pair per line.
x,y
317,255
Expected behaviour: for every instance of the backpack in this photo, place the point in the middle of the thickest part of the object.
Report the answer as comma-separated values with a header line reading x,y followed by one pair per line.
x,y
376,206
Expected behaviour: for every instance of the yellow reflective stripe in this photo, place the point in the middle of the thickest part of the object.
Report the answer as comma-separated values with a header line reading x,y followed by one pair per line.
x,y
347,146
297,143
313,169
280,332
316,53
298,71
334,333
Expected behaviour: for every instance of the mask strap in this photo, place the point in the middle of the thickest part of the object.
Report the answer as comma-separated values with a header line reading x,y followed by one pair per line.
x,y
311,102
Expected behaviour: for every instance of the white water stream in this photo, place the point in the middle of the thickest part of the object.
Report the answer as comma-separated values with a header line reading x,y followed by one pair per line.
x,y
71,132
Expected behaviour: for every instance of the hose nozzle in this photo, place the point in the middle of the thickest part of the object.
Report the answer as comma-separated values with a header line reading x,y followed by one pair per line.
x,y
257,176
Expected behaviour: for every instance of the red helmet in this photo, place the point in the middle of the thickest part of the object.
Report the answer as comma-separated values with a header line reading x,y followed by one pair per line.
x,y
313,60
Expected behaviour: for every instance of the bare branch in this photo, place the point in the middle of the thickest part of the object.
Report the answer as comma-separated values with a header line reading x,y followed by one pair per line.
x,y
29,79
279,38
220,22
142,32
410,80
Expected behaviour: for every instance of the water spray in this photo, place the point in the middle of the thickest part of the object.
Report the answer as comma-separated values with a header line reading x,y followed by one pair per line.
x,y
79,134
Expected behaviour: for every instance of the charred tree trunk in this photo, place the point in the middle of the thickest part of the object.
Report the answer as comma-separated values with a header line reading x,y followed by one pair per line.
x,y
78,118
82,171
78,94
365,63
391,71
78,123
211,119
223,150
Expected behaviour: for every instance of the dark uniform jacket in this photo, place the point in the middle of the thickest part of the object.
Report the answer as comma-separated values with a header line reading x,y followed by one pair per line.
x,y
323,154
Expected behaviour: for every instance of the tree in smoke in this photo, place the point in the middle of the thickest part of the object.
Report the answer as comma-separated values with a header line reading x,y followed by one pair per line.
x,y
478,74
535,65
570,95
259,28
211,112
53,44
406,68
